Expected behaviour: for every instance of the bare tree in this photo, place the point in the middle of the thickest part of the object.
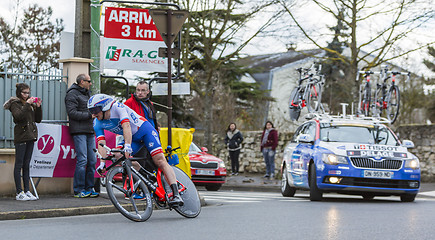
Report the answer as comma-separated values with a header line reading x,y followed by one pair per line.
x,y
214,36
34,43
378,31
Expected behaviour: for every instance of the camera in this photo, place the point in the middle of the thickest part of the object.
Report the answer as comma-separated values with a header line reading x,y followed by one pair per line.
x,y
35,99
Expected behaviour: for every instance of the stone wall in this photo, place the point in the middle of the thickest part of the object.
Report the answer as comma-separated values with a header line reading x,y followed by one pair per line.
x,y
251,159
423,137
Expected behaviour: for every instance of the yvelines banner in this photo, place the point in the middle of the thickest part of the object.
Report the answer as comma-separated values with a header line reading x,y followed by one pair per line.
x,y
131,41
54,153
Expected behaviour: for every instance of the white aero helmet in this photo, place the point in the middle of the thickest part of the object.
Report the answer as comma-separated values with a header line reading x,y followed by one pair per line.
x,y
100,103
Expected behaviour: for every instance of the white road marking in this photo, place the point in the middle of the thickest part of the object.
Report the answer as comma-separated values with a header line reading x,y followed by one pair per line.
x,y
430,194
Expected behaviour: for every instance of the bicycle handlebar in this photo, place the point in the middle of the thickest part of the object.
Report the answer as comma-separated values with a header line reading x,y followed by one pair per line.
x,y
113,150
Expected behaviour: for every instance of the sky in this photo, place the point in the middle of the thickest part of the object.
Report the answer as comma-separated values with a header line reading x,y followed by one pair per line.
x,y
65,9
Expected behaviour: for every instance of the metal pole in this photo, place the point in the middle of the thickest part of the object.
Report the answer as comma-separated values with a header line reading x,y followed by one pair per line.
x,y
95,46
169,32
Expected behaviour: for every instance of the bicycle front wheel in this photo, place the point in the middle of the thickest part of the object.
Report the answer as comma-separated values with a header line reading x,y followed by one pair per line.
x,y
135,205
393,103
295,104
314,96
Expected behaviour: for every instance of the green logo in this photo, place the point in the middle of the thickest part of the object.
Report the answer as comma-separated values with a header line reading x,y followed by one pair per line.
x,y
110,52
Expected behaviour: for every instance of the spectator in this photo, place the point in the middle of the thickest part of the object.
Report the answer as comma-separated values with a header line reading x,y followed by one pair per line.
x,y
25,111
82,131
141,103
233,141
269,142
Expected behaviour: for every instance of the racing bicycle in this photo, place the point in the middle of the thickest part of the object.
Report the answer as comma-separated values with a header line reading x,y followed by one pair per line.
x,y
387,95
132,192
365,94
386,99
309,95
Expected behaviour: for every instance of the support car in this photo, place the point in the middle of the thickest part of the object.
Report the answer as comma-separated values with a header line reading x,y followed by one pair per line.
x,y
349,155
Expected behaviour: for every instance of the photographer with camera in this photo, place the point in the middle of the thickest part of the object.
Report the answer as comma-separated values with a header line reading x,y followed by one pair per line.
x,y
26,112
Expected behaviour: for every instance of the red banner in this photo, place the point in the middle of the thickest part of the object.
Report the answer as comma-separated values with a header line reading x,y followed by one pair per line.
x,y
130,23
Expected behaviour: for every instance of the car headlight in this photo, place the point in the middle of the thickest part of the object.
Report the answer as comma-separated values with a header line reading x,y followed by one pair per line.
x,y
412,163
334,159
221,164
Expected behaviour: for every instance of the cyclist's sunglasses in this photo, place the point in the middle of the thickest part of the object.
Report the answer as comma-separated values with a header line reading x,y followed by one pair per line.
x,y
95,110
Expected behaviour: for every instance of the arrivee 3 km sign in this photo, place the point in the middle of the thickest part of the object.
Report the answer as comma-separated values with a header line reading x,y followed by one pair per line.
x,y
131,41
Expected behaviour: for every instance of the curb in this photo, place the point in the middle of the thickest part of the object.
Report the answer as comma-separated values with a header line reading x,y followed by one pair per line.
x,y
56,212
66,212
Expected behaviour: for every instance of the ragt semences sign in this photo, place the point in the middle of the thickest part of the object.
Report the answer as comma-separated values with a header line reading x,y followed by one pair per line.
x,y
131,41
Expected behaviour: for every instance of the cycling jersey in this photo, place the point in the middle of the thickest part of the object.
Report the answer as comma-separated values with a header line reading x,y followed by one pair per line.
x,y
142,131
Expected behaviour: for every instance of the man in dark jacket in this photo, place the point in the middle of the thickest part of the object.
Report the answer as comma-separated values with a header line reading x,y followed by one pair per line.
x,y
82,131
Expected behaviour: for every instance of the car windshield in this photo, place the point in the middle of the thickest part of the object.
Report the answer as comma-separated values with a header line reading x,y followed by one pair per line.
x,y
357,134
194,148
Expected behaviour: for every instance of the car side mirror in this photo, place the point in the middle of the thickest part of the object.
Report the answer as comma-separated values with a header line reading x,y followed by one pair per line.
x,y
204,149
408,144
305,138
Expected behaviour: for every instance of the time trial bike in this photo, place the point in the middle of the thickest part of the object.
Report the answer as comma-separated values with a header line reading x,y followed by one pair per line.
x,y
133,192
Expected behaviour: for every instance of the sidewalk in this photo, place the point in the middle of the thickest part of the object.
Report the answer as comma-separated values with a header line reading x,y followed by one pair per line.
x,y
66,205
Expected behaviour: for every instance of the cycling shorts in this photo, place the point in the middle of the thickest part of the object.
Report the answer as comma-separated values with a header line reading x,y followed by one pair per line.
x,y
147,135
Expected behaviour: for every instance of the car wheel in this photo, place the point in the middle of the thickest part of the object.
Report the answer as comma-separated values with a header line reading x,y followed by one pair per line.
x,y
315,192
368,196
214,187
286,190
407,197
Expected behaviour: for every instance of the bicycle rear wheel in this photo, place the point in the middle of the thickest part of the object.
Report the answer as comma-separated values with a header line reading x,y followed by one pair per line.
x,y
192,204
314,96
295,104
137,207
393,103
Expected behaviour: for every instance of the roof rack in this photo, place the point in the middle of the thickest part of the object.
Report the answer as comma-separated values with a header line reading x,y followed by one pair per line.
x,y
345,117
337,118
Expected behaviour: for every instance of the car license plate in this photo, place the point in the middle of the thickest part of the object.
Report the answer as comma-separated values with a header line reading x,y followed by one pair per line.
x,y
204,172
377,174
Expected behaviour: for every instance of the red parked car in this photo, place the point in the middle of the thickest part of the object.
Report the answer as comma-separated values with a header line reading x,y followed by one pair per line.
x,y
207,170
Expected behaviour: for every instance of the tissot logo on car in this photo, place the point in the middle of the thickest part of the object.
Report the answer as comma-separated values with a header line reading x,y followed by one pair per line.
x,y
376,147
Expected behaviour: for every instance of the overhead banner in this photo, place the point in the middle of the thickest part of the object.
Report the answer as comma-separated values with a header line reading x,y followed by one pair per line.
x,y
131,41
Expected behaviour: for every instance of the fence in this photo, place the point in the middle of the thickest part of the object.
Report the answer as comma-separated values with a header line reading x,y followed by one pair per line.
x,y
49,86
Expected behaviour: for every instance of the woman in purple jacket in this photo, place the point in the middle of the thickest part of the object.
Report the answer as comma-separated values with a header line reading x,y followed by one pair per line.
x,y
269,142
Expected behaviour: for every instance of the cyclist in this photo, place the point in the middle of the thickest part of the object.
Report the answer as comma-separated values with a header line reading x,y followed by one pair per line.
x,y
115,117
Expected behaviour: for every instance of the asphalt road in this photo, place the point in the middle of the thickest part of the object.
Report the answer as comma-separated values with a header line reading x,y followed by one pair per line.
x,y
250,215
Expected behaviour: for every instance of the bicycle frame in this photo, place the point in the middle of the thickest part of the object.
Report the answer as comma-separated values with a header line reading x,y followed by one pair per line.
x,y
158,190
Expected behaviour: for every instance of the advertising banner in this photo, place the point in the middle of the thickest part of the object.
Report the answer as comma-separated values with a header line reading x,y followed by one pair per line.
x,y
131,41
54,153
46,150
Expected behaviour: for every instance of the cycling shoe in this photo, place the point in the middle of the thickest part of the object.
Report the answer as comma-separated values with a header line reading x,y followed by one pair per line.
x,y
176,201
